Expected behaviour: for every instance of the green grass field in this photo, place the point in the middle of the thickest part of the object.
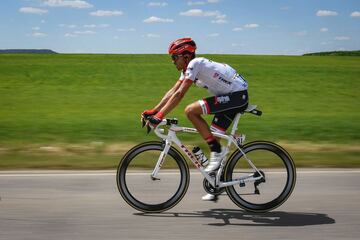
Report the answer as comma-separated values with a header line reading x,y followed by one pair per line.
x,y
81,105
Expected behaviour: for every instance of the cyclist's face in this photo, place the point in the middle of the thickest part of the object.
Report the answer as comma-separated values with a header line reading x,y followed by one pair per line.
x,y
179,61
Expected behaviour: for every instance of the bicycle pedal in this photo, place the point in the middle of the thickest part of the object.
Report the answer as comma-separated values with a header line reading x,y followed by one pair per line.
x,y
242,184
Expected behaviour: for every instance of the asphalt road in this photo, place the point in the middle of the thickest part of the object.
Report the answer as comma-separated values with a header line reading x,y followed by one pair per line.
x,y
86,205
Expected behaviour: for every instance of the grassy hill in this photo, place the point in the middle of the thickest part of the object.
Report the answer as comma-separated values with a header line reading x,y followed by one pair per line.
x,y
335,53
84,104
32,51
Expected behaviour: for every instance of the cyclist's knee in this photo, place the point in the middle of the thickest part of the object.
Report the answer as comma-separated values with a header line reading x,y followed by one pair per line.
x,y
191,110
188,110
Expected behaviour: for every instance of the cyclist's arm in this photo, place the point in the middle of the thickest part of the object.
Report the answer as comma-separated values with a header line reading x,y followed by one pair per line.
x,y
177,96
168,95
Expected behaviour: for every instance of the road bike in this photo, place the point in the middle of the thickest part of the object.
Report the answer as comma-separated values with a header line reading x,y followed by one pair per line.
x,y
154,176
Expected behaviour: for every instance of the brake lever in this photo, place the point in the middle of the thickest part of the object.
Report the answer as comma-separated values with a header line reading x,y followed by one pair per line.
x,y
143,122
148,128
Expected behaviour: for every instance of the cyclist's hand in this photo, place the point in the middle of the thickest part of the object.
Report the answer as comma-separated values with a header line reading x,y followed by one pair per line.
x,y
155,120
148,113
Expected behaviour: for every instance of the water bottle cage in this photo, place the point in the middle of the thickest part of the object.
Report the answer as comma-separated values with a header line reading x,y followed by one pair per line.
x,y
200,156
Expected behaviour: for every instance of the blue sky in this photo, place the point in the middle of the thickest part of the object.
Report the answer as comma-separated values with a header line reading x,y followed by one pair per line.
x,y
147,26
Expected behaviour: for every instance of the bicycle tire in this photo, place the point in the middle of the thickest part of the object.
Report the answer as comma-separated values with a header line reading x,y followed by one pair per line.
x,y
137,203
267,147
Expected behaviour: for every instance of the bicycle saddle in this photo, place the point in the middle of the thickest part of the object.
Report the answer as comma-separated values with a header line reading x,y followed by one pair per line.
x,y
252,109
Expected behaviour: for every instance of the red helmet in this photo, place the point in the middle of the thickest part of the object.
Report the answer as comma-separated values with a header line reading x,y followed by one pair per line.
x,y
182,45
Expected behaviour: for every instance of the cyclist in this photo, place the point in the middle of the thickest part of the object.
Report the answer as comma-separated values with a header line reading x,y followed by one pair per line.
x,y
229,96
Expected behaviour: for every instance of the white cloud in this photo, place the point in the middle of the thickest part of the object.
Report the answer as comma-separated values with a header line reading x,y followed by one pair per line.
x,y
200,13
324,29
32,10
191,3
38,34
36,28
70,35
326,13
68,26
152,35
219,17
105,13
237,29
219,21
68,3
154,19
77,33
355,14
252,25
157,4
342,38
96,25
126,30
90,26
87,32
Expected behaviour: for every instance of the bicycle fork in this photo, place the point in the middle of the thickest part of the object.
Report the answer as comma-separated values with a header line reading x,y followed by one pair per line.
x,y
161,159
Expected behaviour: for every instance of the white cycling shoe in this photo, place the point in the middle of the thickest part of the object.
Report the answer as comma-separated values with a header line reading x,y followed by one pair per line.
x,y
208,197
215,160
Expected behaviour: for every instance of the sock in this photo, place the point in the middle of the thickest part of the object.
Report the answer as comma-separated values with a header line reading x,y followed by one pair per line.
x,y
213,144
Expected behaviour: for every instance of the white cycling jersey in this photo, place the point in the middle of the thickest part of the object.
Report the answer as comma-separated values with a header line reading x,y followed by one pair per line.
x,y
218,78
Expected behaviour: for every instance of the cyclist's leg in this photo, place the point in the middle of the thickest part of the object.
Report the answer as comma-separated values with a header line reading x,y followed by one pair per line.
x,y
222,121
224,108
193,113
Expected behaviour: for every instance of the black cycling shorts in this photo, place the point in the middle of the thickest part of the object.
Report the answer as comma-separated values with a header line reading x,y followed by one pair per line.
x,y
224,107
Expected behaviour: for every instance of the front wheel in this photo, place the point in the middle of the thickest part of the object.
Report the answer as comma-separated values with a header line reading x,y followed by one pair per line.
x,y
273,189
148,194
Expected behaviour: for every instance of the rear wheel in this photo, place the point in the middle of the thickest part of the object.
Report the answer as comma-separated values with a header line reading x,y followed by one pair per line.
x,y
273,189
140,190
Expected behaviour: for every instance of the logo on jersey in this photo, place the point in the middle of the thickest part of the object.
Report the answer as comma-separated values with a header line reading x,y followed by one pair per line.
x,y
217,75
224,81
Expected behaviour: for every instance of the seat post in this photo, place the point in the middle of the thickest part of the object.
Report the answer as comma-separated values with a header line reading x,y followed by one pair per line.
x,y
235,123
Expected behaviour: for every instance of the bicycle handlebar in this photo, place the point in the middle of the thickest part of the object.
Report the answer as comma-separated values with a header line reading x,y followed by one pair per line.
x,y
166,121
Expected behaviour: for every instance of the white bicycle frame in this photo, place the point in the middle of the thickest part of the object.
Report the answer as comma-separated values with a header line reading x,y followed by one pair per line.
x,y
231,139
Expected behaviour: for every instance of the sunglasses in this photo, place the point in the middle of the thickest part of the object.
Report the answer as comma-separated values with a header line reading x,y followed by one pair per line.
x,y
175,57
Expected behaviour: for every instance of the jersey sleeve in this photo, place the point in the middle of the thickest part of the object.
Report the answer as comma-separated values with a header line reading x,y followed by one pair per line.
x,y
192,70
